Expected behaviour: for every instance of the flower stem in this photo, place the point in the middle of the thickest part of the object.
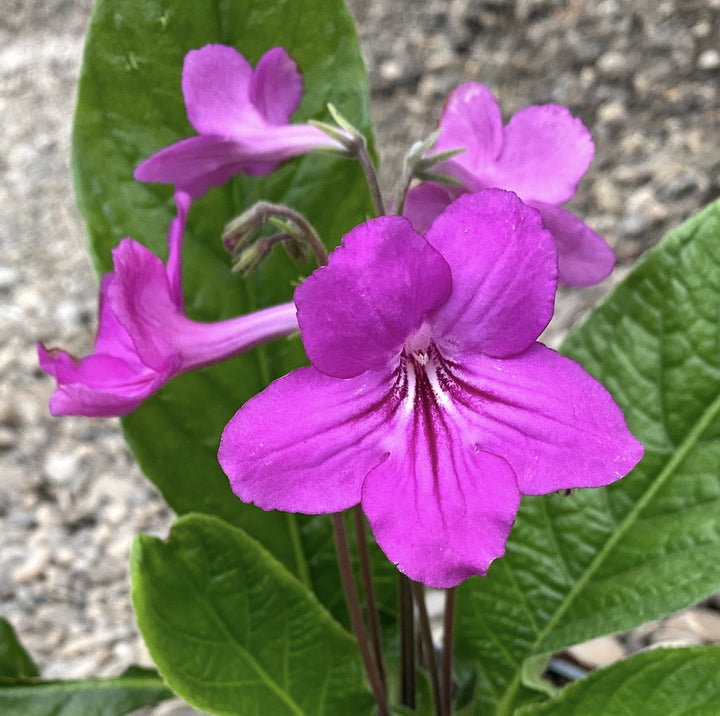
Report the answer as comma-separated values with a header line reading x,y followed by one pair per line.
x,y
407,644
353,605
448,645
372,180
428,646
371,607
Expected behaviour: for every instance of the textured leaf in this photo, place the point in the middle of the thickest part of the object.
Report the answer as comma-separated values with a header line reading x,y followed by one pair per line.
x,y
681,682
87,697
129,106
607,560
15,662
233,632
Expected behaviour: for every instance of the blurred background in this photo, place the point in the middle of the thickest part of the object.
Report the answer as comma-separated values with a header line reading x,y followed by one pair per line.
x,y
643,76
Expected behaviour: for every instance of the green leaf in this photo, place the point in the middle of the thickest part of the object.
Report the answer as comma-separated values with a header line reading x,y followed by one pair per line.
x,y
656,683
129,106
87,697
15,662
233,632
607,560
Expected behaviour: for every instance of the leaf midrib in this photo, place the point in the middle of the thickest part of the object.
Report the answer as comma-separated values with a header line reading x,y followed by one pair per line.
x,y
677,458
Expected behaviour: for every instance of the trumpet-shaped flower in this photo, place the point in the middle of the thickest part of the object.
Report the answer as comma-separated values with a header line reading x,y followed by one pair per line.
x,y
144,337
541,155
429,400
242,117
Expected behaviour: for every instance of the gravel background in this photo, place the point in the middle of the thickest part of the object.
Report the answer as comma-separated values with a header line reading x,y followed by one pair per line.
x,y
644,76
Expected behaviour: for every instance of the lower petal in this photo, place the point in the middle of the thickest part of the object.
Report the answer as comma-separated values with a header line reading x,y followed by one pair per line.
x,y
584,257
556,425
307,441
440,508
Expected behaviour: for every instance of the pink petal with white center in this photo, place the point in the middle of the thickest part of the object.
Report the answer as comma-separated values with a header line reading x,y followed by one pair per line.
x,y
216,87
584,257
472,119
357,312
307,441
504,274
556,425
439,507
276,86
545,153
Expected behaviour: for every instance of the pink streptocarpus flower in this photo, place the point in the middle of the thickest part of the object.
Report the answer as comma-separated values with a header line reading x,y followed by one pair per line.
x,y
541,155
144,337
242,117
429,400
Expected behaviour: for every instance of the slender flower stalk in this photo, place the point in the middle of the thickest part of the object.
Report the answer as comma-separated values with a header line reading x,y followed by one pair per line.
x,y
407,643
430,661
370,604
448,646
353,604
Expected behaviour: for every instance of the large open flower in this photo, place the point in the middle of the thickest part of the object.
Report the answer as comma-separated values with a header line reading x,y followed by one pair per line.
x,y
242,117
429,400
541,155
144,337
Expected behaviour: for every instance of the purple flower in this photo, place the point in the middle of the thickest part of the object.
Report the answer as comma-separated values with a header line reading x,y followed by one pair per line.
x,y
429,400
242,116
541,155
144,337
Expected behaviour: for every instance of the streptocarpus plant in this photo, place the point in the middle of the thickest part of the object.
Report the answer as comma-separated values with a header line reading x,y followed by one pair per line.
x,y
428,401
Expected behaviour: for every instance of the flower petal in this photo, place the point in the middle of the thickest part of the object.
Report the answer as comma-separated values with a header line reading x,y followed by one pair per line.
x,y
545,153
276,86
439,507
97,386
584,257
196,164
216,86
425,201
504,273
307,441
556,425
176,233
139,296
356,312
471,119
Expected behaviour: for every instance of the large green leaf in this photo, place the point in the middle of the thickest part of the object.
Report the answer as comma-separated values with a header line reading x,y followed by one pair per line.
x,y
233,632
87,697
681,682
129,106
607,560
15,662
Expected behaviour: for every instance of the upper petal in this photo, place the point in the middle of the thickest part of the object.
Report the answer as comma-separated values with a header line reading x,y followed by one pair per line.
x,y
216,86
504,273
356,312
139,297
556,425
544,155
307,441
176,233
471,119
584,257
276,86
440,507
425,201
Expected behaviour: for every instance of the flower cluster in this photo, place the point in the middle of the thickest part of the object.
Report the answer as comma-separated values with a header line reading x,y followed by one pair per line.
x,y
429,400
